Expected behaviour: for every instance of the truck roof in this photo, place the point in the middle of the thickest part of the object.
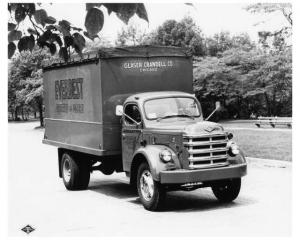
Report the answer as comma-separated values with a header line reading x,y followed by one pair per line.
x,y
148,95
143,51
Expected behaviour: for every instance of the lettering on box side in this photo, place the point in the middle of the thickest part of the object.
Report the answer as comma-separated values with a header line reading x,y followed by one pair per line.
x,y
67,89
147,66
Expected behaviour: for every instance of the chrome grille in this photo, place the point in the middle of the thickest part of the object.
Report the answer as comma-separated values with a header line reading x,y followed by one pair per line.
x,y
207,151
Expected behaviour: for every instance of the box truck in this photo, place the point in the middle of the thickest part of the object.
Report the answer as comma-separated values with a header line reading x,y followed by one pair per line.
x,y
133,110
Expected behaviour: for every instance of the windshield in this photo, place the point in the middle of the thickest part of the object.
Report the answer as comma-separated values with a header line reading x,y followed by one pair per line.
x,y
171,107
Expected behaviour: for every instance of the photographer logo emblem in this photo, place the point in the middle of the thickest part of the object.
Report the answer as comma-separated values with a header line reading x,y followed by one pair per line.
x,y
28,229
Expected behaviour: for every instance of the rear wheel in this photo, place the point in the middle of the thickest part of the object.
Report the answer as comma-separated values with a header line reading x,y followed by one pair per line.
x,y
227,190
151,192
75,172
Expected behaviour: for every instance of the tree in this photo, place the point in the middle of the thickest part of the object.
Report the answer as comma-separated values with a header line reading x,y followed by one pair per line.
x,y
278,38
131,35
96,44
246,82
46,32
25,84
180,34
223,41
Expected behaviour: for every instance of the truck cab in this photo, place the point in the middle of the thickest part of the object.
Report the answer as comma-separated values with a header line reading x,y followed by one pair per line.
x,y
179,150
133,110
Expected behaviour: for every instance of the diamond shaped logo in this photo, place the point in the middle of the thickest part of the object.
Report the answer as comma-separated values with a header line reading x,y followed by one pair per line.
x,y
28,229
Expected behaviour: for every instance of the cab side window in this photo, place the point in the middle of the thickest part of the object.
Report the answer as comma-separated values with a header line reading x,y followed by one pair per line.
x,y
133,112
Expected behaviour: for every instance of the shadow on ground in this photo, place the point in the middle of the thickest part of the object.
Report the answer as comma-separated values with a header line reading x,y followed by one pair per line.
x,y
176,201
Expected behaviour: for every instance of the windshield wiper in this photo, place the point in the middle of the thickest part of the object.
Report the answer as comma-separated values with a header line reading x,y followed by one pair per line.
x,y
179,115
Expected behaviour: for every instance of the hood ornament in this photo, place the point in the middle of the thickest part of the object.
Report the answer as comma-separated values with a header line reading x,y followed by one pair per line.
x,y
211,129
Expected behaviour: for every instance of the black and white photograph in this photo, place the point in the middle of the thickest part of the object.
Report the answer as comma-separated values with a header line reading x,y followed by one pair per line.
x,y
149,119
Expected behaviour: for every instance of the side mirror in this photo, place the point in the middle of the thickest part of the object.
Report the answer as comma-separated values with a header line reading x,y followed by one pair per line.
x,y
119,110
218,108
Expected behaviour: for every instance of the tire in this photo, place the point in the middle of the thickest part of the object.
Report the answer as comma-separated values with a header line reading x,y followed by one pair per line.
x,y
227,190
152,200
75,173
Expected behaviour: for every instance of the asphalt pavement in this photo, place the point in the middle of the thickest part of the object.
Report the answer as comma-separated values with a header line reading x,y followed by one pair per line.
x,y
109,207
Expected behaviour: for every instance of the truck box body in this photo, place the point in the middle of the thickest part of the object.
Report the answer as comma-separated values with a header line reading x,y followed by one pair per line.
x,y
81,95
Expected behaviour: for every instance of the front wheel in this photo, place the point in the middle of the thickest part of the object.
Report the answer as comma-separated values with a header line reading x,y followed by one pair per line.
x,y
151,192
227,190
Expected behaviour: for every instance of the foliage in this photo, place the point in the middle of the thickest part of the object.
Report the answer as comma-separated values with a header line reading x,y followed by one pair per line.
x,y
223,41
101,42
284,8
131,35
277,38
47,32
184,33
25,84
246,82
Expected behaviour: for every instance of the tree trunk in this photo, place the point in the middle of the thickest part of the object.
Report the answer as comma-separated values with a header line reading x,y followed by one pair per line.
x,y
40,107
22,112
267,104
16,114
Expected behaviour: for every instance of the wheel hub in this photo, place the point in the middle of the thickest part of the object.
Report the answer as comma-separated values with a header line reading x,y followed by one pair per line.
x,y
67,170
147,185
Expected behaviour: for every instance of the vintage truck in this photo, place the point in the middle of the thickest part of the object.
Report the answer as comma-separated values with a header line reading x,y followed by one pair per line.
x,y
133,110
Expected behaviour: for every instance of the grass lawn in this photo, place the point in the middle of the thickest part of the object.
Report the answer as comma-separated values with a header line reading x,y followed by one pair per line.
x,y
269,144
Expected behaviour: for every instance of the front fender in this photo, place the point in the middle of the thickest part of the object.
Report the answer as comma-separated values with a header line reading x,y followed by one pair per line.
x,y
151,153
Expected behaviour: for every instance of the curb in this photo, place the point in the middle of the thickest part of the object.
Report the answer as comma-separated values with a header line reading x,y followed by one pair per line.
x,y
269,162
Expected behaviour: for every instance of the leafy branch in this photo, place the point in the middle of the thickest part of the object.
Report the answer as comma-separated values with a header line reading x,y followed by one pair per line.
x,y
46,32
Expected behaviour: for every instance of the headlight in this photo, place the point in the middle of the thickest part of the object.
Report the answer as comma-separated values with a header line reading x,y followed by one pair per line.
x,y
165,155
233,149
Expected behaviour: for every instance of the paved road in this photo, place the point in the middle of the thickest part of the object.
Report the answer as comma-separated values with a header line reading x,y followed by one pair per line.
x,y
109,208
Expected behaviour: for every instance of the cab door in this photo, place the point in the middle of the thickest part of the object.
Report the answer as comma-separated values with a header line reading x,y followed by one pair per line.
x,y
131,133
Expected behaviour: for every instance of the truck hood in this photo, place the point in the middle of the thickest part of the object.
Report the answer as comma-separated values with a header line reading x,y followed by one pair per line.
x,y
189,128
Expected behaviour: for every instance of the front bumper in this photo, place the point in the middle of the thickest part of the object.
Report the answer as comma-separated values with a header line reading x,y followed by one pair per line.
x,y
202,175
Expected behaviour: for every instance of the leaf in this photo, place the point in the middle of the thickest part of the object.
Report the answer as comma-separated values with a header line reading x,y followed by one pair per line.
x,y
56,38
51,27
52,48
32,31
12,6
64,27
89,36
63,53
77,29
68,41
30,7
88,6
126,11
40,16
65,24
141,12
94,21
20,14
26,43
14,35
79,42
11,26
112,7
46,36
11,49
50,20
